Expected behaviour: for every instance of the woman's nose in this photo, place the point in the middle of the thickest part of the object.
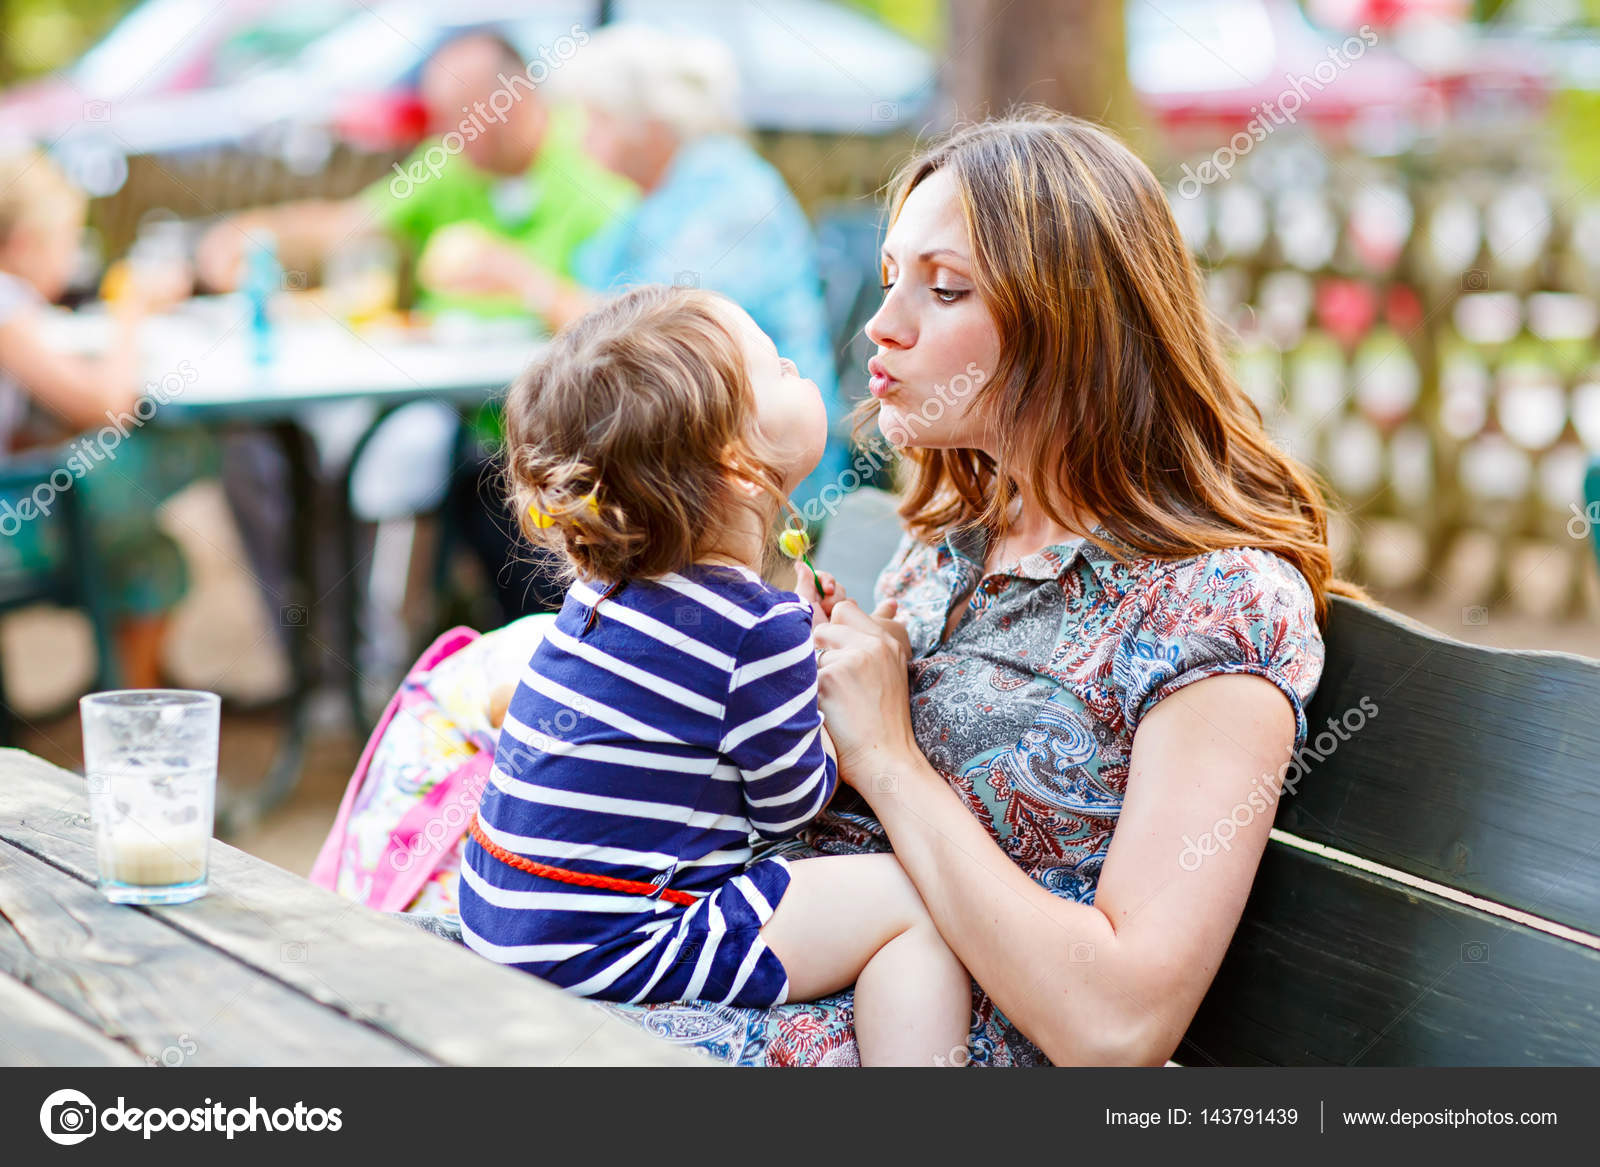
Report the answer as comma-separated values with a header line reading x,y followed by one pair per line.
x,y
888,327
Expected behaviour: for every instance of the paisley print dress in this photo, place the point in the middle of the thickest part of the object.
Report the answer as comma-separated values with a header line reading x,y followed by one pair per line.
x,y
1028,709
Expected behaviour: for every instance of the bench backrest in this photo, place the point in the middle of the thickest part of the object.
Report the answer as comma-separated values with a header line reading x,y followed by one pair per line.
x,y
1367,938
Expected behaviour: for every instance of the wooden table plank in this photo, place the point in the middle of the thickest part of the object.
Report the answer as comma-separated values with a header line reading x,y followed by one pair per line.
x,y
35,1031
436,997
139,981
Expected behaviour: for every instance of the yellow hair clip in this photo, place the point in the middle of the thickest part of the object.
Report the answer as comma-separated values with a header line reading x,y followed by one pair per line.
x,y
543,519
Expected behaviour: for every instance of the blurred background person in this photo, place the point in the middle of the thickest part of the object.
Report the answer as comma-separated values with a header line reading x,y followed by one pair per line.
x,y
519,190
663,112
521,186
142,573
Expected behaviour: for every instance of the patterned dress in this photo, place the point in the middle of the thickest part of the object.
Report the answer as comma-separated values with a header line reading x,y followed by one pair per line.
x,y
1029,710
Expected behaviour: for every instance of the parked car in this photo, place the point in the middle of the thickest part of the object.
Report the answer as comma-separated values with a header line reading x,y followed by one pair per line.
x,y
1213,65
284,76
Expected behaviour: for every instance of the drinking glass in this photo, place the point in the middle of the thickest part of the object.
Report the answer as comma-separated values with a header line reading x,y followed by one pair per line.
x,y
150,756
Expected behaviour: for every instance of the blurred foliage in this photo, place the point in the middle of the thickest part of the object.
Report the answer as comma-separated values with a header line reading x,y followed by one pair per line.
x,y
1574,118
40,36
921,20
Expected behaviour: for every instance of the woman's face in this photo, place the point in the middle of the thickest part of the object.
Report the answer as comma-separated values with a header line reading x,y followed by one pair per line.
x,y
936,340
789,409
637,150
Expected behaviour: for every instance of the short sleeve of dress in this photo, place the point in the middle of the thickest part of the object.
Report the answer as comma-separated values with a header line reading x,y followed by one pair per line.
x,y
1239,610
774,727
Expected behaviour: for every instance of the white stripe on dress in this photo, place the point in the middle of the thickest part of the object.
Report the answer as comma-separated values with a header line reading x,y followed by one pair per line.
x,y
784,762
521,953
622,856
685,697
606,804
533,739
653,628
769,719
715,928
610,974
780,828
595,900
757,669
667,957
788,796
599,710
725,608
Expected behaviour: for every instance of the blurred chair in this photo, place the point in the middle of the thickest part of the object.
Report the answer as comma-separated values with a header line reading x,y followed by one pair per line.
x,y
848,238
397,474
49,559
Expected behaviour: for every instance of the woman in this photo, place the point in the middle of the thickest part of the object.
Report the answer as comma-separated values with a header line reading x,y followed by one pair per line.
x,y
1097,637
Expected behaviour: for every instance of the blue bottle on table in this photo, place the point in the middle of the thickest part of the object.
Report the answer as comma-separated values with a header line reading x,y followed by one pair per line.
x,y
262,278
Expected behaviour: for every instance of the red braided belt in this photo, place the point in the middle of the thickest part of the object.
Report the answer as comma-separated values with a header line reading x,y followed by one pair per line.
x,y
522,863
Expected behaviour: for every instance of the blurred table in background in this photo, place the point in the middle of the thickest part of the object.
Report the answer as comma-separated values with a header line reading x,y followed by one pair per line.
x,y
201,368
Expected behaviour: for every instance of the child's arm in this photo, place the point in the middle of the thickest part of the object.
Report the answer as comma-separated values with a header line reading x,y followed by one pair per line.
x,y
773,729
80,390
500,702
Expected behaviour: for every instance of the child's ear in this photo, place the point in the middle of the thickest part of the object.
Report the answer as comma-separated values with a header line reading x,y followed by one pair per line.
x,y
746,477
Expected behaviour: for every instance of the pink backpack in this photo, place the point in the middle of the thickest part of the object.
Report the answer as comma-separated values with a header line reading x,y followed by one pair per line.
x,y
396,843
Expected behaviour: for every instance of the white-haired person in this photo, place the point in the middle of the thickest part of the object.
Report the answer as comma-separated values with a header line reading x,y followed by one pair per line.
x,y
663,111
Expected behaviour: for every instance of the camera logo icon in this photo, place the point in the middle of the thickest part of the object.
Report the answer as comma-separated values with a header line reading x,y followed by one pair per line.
x,y
67,1117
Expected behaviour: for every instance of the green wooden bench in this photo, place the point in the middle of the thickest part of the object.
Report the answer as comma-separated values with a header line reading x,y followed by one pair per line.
x,y
1431,893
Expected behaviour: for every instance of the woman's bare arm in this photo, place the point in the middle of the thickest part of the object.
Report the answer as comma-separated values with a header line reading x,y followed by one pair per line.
x,y
1113,983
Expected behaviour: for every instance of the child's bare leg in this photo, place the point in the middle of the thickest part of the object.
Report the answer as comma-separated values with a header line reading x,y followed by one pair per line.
x,y
858,919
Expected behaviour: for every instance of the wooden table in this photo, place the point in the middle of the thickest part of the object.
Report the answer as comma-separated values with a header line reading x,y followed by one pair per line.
x,y
264,970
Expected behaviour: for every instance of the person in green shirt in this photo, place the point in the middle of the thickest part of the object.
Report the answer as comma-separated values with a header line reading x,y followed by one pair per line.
x,y
507,177
506,181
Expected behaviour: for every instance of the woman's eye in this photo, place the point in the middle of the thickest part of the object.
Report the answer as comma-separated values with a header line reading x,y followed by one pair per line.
x,y
948,295
886,287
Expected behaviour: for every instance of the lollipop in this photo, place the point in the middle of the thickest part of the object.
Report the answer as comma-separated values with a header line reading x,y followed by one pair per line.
x,y
794,542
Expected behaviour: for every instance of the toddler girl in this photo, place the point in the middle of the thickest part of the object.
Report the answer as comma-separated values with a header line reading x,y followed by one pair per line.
x,y
671,710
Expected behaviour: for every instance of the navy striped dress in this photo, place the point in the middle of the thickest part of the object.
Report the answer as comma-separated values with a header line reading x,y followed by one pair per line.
x,y
652,744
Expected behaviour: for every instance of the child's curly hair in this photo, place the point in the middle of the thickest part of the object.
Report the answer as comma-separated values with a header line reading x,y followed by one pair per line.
x,y
628,438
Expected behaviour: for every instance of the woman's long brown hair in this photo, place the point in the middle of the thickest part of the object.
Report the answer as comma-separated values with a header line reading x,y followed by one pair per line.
x,y
1112,397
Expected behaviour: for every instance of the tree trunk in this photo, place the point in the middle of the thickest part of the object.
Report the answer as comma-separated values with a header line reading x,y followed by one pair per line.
x,y
1067,54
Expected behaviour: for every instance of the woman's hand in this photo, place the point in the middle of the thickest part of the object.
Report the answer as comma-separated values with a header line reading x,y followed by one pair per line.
x,y
864,694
